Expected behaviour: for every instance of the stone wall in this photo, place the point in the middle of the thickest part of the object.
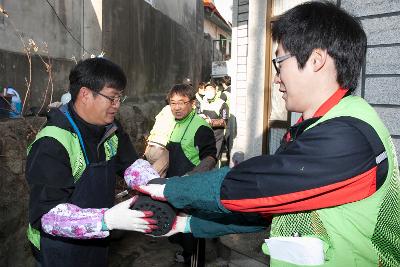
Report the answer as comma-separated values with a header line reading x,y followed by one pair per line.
x,y
155,50
15,135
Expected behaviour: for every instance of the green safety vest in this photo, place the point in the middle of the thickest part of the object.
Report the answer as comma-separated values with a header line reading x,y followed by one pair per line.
x,y
184,133
70,142
228,97
361,233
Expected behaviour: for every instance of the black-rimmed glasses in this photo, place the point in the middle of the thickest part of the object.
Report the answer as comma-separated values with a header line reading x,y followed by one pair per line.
x,y
114,100
179,104
278,60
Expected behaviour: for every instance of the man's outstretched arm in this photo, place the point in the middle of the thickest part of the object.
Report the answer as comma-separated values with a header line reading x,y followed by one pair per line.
x,y
331,164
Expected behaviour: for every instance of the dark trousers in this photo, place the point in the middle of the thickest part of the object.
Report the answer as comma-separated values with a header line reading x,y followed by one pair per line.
x,y
186,241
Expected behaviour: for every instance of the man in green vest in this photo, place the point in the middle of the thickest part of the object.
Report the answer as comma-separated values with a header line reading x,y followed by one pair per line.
x,y
332,189
71,172
191,148
192,144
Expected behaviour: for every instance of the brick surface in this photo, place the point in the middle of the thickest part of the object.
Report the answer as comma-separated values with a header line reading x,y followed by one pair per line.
x,y
391,118
370,7
385,90
385,30
383,60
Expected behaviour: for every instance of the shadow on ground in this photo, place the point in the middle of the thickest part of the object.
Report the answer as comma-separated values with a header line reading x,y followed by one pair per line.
x,y
130,249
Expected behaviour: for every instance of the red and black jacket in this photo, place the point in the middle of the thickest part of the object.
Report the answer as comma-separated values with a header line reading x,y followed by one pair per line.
x,y
332,163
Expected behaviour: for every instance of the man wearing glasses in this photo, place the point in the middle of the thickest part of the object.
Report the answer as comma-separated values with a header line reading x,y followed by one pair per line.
x,y
332,189
71,169
192,144
191,149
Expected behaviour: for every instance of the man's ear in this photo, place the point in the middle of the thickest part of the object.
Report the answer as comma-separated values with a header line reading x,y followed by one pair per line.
x,y
84,94
318,58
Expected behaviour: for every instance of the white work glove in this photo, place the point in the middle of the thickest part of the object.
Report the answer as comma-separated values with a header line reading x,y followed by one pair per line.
x,y
156,191
122,218
180,225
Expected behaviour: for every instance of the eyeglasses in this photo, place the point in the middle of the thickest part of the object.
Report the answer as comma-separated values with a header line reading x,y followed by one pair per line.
x,y
179,104
114,100
278,60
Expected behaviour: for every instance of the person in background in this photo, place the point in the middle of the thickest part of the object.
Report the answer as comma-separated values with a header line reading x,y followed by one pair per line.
x,y
216,112
16,104
200,96
65,98
191,150
71,171
332,189
226,89
156,151
230,125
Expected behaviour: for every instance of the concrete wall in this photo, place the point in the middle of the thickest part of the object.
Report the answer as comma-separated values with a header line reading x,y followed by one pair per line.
x,y
37,20
154,50
182,12
76,32
240,91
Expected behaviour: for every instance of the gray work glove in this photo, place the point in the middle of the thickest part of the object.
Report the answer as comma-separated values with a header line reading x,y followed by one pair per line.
x,y
208,163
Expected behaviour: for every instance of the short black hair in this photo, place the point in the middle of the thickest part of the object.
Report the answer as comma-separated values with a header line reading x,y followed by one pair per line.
x,y
183,90
201,84
211,83
95,74
323,25
226,80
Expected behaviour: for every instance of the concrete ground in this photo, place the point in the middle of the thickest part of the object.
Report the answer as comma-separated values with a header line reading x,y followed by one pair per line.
x,y
130,249
135,249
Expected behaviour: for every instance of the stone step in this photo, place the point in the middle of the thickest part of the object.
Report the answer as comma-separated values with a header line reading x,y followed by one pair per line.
x,y
243,250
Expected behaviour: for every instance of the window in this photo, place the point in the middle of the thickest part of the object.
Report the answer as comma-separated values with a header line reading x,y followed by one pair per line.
x,y
277,118
222,43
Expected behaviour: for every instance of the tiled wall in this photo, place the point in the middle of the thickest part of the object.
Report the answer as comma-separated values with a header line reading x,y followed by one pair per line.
x,y
239,81
380,79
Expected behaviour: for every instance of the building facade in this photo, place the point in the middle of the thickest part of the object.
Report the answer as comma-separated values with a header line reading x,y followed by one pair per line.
x,y
157,43
219,30
256,102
